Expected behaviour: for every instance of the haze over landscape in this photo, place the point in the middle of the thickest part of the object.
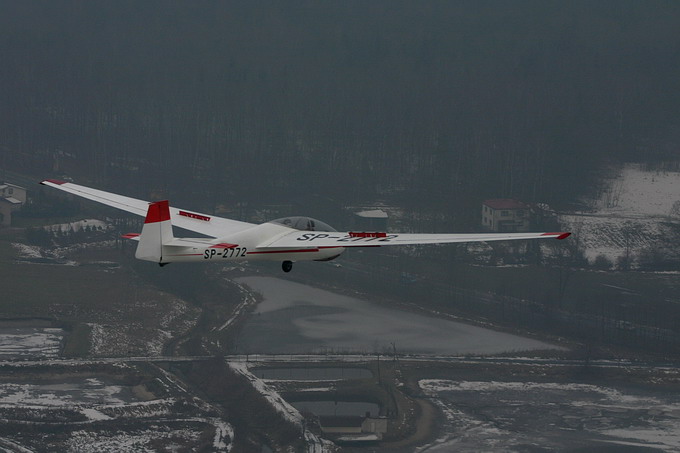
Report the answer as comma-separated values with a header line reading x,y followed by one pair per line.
x,y
397,116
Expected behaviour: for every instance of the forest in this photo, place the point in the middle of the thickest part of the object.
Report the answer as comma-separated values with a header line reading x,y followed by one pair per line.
x,y
437,104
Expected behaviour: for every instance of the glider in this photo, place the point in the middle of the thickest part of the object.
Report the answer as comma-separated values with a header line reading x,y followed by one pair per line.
x,y
287,240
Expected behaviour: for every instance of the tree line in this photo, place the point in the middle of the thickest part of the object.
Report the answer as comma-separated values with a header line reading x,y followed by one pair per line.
x,y
435,104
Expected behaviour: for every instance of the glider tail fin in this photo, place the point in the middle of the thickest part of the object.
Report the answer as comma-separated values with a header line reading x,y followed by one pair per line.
x,y
157,231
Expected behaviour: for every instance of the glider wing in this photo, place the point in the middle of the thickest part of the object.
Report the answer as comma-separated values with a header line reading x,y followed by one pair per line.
x,y
206,224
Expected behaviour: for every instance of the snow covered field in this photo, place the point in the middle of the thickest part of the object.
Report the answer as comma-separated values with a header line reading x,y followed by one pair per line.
x,y
122,333
30,342
635,210
74,392
637,192
105,414
488,415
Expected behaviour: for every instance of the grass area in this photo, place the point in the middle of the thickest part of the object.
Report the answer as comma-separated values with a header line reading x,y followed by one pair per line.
x,y
77,341
132,316
35,290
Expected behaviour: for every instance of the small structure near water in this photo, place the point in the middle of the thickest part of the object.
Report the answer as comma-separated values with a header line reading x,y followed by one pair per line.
x,y
353,428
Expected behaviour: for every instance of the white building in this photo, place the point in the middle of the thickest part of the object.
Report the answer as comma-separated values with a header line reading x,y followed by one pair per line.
x,y
12,197
506,215
371,220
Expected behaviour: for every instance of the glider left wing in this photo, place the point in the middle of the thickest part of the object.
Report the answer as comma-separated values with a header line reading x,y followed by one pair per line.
x,y
208,225
336,239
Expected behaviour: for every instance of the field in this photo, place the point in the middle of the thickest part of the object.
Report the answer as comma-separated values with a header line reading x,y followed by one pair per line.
x,y
90,299
552,407
96,407
106,309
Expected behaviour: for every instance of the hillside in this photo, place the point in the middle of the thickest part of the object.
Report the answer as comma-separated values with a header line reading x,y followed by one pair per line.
x,y
635,214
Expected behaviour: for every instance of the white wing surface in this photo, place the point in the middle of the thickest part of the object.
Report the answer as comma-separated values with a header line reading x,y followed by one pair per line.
x,y
206,224
336,239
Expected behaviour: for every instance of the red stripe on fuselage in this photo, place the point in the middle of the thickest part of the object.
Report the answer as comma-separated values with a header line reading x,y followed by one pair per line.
x,y
283,251
294,251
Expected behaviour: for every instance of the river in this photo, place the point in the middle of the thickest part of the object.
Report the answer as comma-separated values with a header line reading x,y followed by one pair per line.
x,y
296,318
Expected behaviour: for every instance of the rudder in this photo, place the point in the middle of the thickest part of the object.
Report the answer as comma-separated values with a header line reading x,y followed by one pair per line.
x,y
157,231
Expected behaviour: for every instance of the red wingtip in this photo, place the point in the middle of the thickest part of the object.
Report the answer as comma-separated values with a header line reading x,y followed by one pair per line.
x,y
158,212
559,236
53,181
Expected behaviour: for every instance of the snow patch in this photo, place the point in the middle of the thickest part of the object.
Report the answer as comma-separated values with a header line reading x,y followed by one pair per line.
x,y
642,421
27,251
635,191
635,210
94,414
28,342
78,225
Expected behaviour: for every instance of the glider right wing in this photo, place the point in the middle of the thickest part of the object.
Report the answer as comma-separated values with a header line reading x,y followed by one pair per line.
x,y
351,239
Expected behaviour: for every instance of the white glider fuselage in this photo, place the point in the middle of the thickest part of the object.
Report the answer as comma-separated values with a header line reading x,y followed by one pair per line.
x,y
244,246
285,240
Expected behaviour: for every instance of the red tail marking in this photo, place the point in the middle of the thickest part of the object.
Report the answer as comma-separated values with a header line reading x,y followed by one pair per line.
x,y
130,235
158,212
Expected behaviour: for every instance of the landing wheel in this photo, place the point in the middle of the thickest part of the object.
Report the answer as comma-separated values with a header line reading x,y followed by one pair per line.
x,y
287,266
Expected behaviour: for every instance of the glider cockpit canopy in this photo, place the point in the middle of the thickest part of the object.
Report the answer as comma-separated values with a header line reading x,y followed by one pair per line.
x,y
304,224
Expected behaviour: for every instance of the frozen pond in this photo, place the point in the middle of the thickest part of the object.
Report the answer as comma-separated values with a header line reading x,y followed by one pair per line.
x,y
89,391
296,318
29,342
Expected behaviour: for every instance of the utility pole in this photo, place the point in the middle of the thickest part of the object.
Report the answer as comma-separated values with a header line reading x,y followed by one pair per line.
x,y
379,379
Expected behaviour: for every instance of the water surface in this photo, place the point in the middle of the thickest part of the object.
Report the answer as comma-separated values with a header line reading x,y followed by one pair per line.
x,y
296,318
312,374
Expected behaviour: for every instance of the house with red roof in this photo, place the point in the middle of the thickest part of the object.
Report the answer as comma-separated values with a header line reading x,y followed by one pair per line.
x,y
506,215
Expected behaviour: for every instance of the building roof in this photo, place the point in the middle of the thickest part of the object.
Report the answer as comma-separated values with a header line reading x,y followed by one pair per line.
x,y
341,421
505,203
364,437
11,200
7,184
373,214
